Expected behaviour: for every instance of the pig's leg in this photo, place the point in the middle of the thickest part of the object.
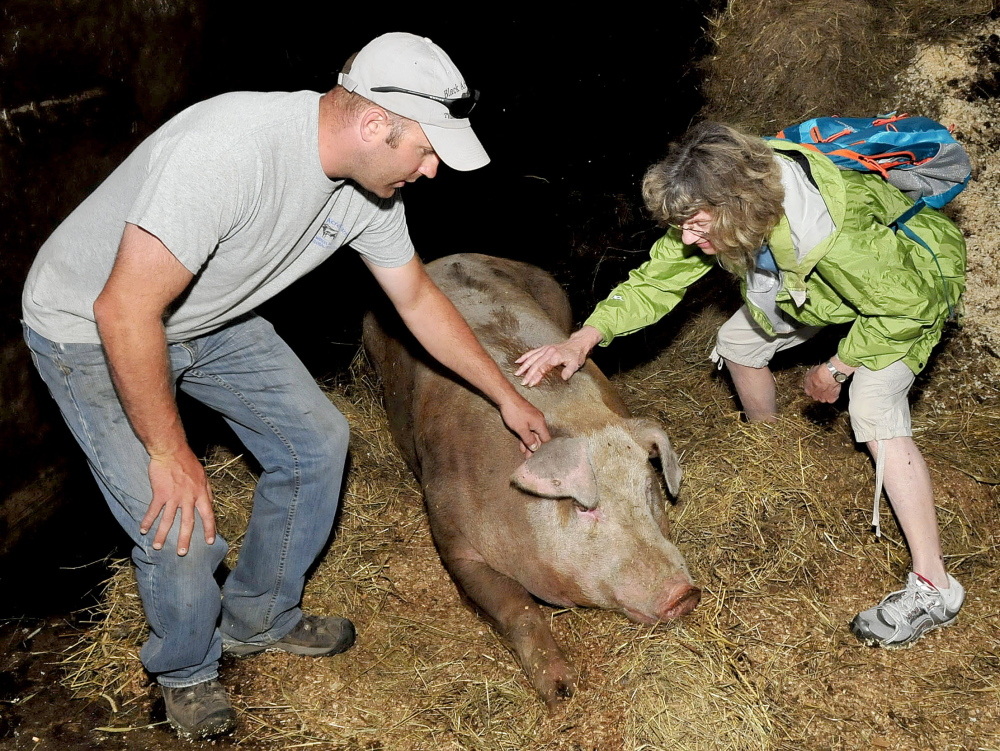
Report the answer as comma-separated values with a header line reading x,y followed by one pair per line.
x,y
520,622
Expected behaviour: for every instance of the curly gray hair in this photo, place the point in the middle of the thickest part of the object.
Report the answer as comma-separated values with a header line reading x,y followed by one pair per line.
x,y
729,174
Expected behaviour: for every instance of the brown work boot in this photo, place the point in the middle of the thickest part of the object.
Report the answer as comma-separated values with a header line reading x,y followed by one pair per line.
x,y
313,636
199,711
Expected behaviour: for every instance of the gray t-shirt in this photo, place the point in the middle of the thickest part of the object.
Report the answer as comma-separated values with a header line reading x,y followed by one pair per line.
x,y
233,187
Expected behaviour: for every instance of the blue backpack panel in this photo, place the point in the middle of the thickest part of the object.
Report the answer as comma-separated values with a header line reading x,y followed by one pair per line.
x,y
916,154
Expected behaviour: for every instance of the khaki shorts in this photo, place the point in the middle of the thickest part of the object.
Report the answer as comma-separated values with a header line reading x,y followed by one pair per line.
x,y
878,405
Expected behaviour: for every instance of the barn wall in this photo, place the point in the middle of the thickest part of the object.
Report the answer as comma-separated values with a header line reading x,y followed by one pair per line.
x,y
80,82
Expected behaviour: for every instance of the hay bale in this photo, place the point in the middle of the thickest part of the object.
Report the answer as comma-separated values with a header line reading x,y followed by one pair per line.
x,y
777,62
957,81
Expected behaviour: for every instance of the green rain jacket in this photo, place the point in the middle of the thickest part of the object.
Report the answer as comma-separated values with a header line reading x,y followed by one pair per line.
x,y
887,285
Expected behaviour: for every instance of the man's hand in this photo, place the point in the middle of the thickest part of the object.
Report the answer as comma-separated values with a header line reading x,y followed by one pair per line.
x,y
179,483
571,354
819,384
526,422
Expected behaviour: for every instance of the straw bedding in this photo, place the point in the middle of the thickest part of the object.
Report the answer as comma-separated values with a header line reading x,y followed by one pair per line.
x,y
773,521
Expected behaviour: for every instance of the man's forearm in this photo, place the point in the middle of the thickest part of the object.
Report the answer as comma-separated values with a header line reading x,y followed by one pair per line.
x,y
137,359
146,278
443,332
446,336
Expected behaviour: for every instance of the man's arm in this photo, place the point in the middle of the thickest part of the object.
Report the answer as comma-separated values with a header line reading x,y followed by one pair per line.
x,y
440,328
129,312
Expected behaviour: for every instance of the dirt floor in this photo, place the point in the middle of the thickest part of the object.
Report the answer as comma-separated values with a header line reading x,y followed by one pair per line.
x,y
38,712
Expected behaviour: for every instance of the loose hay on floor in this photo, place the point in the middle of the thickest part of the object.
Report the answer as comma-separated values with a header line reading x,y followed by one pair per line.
x,y
773,521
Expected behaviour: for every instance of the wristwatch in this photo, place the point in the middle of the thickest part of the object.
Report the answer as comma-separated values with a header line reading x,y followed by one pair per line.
x,y
837,375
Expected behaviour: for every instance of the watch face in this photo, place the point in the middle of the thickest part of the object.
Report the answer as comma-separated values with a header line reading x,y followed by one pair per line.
x,y
837,375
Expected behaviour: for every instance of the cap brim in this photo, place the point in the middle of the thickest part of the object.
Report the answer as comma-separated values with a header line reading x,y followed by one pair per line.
x,y
458,147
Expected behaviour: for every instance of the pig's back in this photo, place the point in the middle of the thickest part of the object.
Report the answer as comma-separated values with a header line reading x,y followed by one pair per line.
x,y
514,307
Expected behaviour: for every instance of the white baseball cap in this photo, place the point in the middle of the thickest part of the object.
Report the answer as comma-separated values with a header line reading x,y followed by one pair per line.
x,y
413,77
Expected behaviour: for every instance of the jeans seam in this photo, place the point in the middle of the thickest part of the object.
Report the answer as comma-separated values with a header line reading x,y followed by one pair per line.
x,y
65,372
72,374
296,474
84,423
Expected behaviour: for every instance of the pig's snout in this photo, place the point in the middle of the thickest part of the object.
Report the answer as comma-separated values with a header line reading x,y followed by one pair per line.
x,y
682,600
677,597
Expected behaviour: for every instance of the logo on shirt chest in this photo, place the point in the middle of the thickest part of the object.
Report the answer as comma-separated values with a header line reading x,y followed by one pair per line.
x,y
327,234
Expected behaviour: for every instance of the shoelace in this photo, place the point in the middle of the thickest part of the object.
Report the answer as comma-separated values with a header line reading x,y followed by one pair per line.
x,y
900,605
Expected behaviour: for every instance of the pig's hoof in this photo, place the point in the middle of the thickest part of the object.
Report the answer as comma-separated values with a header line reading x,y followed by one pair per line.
x,y
556,686
558,694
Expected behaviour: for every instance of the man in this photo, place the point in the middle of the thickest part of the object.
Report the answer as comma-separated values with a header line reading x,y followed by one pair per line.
x,y
150,285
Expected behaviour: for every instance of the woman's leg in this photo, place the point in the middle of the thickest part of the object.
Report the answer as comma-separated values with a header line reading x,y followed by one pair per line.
x,y
747,349
755,388
908,485
880,417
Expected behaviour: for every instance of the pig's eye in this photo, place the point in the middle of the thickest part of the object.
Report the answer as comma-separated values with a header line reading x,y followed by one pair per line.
x,y
579,506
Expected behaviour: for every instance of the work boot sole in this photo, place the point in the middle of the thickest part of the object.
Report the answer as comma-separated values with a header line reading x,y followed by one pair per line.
x,y
199,711
212,728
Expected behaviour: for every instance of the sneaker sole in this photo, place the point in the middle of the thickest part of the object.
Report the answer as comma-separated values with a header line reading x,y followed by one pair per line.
x,y
872,641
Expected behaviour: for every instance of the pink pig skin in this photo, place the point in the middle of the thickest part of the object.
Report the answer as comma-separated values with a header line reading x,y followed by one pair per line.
x,y
582,522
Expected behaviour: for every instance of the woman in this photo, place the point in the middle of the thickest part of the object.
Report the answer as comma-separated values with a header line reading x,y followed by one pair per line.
x,y
811,247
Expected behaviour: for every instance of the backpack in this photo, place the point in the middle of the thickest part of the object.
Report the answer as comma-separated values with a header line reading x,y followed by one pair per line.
x,y
915,154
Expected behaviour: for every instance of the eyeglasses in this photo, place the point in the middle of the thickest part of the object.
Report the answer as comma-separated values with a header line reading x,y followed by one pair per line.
x,y
702,233
459,108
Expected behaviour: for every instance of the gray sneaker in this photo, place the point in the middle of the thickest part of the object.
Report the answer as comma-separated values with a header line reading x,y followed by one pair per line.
x,y
199,711
904,616
313,636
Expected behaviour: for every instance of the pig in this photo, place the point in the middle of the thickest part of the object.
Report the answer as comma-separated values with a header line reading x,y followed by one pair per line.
x,y
581,521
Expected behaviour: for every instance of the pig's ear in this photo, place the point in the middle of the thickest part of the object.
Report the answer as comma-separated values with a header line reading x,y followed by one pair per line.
x,y
561,468
655,441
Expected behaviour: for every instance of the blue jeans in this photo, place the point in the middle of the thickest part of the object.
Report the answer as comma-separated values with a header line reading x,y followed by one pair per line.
x,y
248,374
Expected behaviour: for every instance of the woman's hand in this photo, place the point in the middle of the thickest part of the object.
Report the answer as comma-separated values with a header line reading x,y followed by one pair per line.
x,y
571,354
819,383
